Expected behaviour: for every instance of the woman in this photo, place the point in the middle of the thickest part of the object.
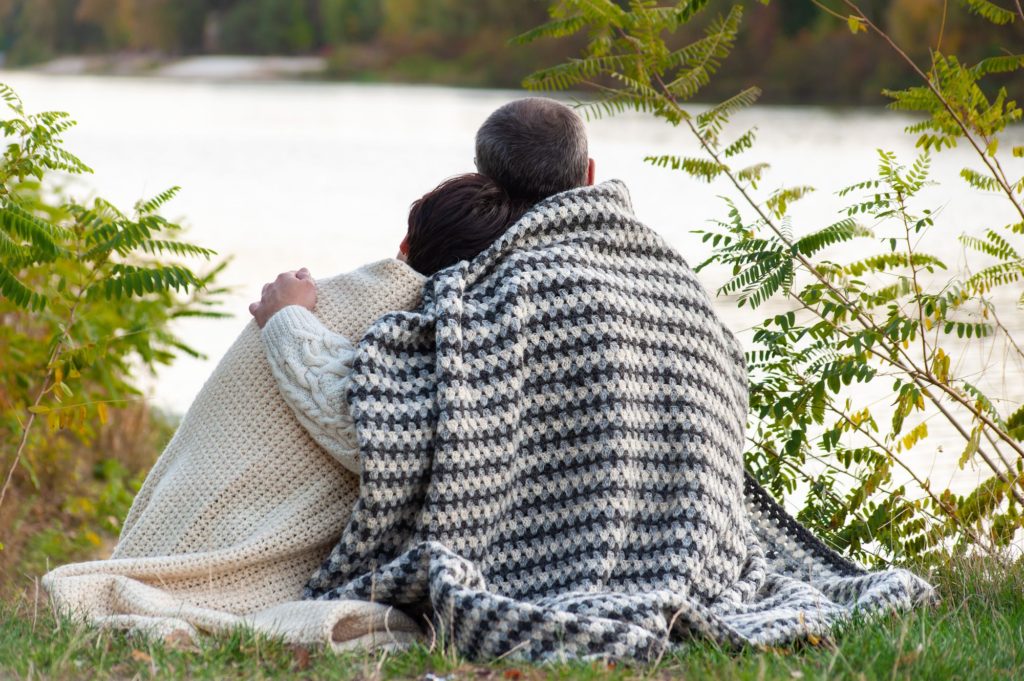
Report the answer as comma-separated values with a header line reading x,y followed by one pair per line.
x,y
454,222
242,505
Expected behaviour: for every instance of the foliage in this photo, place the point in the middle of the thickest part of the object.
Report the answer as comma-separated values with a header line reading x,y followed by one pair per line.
x,y
791,49
898,321
88,294
973,633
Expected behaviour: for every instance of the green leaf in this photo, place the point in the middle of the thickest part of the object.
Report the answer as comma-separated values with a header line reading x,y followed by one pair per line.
x,y
699,168
558,28
839,232
989,10
1015,424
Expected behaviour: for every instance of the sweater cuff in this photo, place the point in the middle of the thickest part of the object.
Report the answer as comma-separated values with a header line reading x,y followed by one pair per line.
x,y
290,322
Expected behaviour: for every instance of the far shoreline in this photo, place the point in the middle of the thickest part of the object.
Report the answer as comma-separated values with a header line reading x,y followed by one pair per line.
x,y
250,69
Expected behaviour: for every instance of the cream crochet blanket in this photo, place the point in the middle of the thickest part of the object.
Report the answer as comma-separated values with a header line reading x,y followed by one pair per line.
x,y
242,506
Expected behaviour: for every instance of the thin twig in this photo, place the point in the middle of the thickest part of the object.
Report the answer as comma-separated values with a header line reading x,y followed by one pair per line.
x,y
942,26
54,356
951,512
920,377
1001,474
913,370
913,274
999,177
24,436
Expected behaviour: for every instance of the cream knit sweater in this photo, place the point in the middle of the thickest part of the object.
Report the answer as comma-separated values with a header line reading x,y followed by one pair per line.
x,y
242,505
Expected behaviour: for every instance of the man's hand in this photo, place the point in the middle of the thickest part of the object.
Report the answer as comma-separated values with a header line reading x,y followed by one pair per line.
x,y
290,288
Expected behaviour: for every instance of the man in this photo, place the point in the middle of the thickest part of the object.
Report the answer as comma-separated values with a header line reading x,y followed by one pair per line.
x,y
532,147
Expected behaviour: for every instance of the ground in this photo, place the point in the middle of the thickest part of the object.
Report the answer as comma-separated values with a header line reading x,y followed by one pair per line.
x,y
976,631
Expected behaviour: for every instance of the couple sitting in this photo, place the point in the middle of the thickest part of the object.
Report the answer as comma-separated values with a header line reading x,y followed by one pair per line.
x,y
536,423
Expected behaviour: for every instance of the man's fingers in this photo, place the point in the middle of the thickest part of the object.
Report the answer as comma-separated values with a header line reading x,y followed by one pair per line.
x,y
253,307
264,291
303,273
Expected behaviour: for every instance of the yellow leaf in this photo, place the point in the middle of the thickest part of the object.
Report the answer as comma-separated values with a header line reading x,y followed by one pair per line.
x,y
940,366
53,421
101,411
856,24
74,373
39,409
918,433
971,448
82,507
1018,152
993,146
93,538
58,374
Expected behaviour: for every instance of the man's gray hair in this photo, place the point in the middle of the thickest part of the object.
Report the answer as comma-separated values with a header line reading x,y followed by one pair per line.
x,y
533,148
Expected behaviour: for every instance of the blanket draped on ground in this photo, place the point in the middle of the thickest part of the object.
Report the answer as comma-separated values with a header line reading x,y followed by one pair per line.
x,y
552,459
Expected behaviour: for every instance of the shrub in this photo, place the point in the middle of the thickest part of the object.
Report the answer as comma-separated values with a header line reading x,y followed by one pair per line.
x,y
852,322
87,297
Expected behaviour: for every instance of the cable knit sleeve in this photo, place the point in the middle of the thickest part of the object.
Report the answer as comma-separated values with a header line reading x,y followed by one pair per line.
x,y
312,365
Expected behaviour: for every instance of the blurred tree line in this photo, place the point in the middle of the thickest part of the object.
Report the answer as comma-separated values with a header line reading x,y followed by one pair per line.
x,y
791,49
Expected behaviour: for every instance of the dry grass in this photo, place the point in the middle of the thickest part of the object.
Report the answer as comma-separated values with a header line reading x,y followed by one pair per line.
x,y
69,497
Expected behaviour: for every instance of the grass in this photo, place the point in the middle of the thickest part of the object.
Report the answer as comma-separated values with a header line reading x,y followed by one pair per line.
x,y
975,632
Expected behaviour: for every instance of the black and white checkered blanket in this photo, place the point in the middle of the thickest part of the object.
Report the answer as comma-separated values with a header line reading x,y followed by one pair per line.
x,y
552,459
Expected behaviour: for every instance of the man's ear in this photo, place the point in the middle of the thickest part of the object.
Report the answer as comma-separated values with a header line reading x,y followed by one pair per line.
x,y
590,172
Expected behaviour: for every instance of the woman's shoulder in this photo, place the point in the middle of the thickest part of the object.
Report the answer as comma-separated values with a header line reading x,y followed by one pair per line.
x,y
349,302
387,272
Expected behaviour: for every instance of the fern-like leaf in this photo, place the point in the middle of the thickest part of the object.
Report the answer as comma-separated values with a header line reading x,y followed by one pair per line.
x,y
711,121
979,181
41,236
556,28
838,232
989,10
18,293
154,204
993,244
1015,424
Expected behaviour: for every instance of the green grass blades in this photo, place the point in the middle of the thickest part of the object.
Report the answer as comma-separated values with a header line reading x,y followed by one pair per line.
x,y
976,631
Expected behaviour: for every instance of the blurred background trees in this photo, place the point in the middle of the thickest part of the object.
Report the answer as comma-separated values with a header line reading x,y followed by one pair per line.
x,y
791,49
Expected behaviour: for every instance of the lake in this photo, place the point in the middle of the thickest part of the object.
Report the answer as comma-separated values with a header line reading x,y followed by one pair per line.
x,y
281,175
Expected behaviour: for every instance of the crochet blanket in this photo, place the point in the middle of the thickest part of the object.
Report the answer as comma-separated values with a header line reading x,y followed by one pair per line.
x,y
552,459
243,505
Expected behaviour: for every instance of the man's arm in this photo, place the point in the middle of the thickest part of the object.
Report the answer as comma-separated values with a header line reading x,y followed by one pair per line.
x,y
311,363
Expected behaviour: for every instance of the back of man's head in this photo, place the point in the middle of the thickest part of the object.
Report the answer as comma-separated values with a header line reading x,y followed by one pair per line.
x,y
533,148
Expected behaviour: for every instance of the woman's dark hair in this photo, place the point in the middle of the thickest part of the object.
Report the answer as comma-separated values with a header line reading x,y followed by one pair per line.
x,y
457,220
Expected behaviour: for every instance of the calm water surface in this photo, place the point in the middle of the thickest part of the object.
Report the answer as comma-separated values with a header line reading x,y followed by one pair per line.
x,y
283,175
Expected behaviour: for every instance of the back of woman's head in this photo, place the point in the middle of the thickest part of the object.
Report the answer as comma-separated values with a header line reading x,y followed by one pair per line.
x,y
457,220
